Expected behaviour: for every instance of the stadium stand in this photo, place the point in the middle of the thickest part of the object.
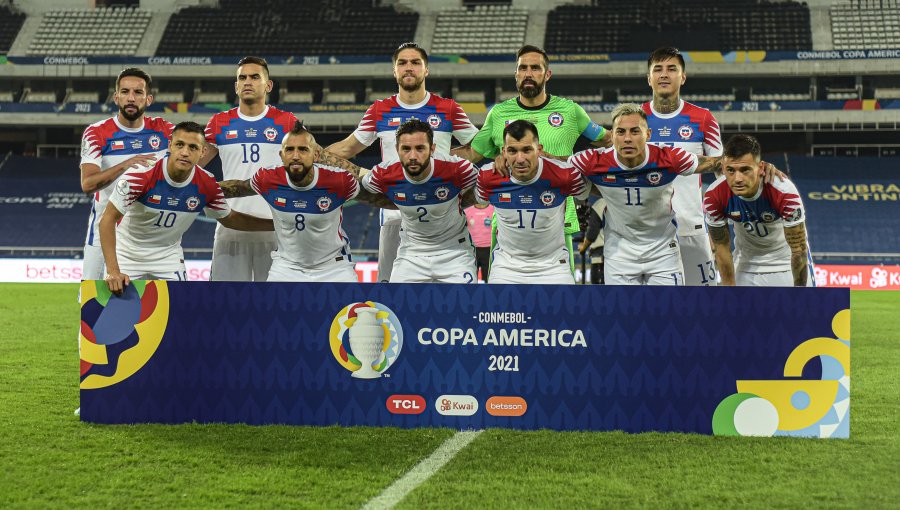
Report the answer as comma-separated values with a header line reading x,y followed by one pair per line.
x,y
855,26
851,204
604,26
10,24
100,31
480,29
284,27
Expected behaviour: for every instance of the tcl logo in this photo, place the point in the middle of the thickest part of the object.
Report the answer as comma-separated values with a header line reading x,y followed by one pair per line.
x,y
406,404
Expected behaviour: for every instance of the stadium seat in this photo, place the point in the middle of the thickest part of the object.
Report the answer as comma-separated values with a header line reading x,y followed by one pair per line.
x,y
100,31
481,29
10,24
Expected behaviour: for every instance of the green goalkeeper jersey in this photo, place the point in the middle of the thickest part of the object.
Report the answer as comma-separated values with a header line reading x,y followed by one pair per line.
x,y
559,122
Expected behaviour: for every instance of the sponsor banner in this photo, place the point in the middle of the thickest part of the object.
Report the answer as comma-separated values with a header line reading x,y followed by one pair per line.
x,y
859,277
69,270
705,57
774,362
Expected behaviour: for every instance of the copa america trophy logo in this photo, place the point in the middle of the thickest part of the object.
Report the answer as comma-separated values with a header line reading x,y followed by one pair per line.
x,y
366,339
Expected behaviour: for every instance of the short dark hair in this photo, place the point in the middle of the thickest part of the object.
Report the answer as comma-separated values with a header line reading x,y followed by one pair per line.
x,y
415,126
188,127
528,48
409,46
518,128
665,53
740,145
255,60
298,129
137,72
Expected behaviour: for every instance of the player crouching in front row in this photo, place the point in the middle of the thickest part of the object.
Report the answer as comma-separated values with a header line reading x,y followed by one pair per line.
x,y
156,206
764,256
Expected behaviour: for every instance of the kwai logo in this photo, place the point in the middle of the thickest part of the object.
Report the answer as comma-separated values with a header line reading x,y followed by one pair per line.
x,y
456,405
366,339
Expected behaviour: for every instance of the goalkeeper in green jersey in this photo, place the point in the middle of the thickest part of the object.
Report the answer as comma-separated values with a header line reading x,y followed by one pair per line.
x,y
559,123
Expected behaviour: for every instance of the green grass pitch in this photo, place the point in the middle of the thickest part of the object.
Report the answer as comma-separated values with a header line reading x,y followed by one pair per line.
x,y
49,459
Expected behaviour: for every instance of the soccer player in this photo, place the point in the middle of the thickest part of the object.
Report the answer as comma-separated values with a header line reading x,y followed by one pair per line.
x,y
559,122
110,147
637,180
770,245
156,206
677,123
307,200
427,187
380,122
246,138
530,210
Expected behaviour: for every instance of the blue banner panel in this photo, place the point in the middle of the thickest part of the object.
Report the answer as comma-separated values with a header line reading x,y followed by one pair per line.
x,y
731,361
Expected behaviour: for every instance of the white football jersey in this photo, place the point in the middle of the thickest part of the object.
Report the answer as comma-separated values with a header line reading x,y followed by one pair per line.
x,y
108,143
431,210
308,219
759,242
157,212
531,215
695,130
640,223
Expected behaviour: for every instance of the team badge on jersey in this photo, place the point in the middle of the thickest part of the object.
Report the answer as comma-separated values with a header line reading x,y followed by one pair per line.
x,y
122,187
270,133
192,203
442,193
654,178
154,142
685,132
796,215
434,121
324,203
547,198
555,119
768,217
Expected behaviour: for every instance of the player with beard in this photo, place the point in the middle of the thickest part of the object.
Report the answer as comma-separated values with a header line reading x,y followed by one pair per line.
x,y
427,188
676,123
246,138
153,208
559,121
412,101
112,146
307,200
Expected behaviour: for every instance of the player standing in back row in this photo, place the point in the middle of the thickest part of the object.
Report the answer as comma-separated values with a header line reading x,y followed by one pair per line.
x,y
677,123
559,121
412,101
246,138
112,146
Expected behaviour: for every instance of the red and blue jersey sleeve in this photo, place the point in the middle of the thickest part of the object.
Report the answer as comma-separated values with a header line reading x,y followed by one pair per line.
x,y
715,202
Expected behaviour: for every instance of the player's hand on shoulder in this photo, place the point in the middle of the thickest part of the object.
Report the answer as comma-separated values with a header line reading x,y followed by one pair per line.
x,y
500,166
117,281
141,160
770,172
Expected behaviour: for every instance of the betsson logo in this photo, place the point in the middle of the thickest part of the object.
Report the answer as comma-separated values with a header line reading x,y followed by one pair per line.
x,y
456,405
406,404
506,406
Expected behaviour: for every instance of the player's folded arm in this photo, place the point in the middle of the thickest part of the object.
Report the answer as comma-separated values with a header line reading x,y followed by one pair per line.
x,y
236,188
375,199
240,221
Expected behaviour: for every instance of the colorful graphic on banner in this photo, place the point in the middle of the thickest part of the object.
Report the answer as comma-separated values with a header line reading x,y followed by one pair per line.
x,y
119,335
796,407
466,356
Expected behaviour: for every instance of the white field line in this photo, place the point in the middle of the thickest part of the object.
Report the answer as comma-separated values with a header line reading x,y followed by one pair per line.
x,y
422,471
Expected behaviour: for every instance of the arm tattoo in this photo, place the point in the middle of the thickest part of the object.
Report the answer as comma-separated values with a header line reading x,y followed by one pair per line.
x,y
236,188
375,199
721,247
330,159
708,164
720,236
796,239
